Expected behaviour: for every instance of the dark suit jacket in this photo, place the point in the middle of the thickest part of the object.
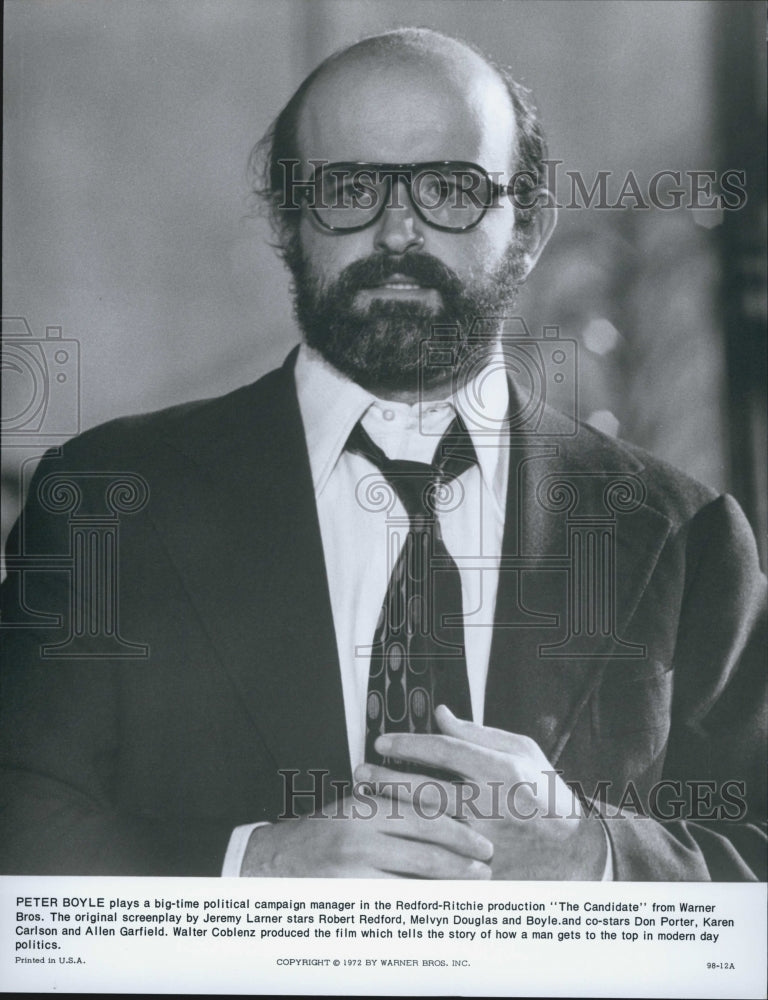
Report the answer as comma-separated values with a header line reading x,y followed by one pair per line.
x,y
144,765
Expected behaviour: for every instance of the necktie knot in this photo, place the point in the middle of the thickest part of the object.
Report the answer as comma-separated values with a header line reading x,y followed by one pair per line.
x,y
420,486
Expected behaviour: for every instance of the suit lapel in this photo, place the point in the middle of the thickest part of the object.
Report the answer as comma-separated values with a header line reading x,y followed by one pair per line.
x,y
248,547
538,682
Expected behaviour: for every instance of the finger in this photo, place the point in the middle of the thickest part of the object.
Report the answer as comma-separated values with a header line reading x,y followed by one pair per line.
x,y
398,784
468,760
429,860
359,842
429,796
484,736
433,826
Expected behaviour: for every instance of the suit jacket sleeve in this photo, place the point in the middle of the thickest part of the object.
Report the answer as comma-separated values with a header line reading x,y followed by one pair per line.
x,y
60,735
715,759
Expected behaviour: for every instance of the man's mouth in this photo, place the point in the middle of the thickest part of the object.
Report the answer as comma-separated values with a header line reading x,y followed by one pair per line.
x,y
397,285
399,281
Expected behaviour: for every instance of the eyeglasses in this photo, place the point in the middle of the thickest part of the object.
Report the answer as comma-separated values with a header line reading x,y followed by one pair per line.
x,y
450,195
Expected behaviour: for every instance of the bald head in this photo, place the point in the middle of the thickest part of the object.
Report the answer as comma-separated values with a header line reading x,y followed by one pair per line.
x,y
407,95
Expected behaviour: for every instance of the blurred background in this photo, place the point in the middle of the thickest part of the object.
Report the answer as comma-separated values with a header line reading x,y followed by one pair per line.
x,y
135,275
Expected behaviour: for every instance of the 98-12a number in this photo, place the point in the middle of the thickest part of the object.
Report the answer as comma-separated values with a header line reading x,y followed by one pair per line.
x,y
720,965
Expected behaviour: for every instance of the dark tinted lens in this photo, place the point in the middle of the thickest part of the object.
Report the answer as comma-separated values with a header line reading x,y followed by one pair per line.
x,y
453,196
347,196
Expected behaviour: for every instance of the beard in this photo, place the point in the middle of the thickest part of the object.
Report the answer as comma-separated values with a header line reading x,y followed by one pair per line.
x,y
379,346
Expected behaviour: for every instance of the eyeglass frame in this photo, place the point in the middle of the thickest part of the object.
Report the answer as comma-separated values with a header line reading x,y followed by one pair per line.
x,y
394,171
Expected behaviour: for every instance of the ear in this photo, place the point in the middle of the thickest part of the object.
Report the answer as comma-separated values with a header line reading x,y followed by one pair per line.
x,y
539,229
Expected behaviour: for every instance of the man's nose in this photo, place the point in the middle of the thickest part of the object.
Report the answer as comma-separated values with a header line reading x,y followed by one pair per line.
x,y
399,228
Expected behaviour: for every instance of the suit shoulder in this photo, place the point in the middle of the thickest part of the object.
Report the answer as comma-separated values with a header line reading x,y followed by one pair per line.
x,y
668,490
145,437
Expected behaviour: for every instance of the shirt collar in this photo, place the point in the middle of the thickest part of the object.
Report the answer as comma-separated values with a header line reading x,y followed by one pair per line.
x,y
331,404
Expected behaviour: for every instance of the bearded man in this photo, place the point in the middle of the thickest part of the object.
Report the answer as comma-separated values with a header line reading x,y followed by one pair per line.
x,y
385,613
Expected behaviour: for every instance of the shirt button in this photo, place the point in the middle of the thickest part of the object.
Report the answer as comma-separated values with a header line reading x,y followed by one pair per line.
x,y
389,414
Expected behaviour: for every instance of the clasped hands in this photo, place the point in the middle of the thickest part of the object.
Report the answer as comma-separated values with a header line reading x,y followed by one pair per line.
x,y
508,815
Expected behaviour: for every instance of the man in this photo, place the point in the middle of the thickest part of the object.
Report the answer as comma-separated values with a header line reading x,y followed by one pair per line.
x,y
343,678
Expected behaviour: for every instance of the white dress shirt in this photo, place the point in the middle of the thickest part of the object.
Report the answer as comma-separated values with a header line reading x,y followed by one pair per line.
x,y
357,534
356,539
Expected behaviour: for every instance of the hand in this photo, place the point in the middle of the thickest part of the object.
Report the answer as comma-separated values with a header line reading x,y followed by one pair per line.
x,y
509,793
369,836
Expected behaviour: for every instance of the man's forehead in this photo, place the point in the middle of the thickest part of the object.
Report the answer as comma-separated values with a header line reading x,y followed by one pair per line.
x,y
407,110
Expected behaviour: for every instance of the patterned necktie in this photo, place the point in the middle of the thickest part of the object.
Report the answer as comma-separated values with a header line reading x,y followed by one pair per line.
x,y
417,657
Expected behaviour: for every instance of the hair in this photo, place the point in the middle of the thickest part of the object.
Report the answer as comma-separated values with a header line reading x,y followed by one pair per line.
x,y
279,143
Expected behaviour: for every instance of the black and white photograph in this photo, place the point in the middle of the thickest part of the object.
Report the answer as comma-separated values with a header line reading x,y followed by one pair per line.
x,y
384,482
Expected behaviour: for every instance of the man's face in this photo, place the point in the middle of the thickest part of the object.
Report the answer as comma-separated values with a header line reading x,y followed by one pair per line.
x,y
355,294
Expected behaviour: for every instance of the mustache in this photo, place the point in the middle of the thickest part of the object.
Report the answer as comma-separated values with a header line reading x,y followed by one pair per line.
x,y
422,268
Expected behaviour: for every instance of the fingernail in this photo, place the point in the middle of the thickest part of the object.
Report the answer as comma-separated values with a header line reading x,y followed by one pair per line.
x,y
383,744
